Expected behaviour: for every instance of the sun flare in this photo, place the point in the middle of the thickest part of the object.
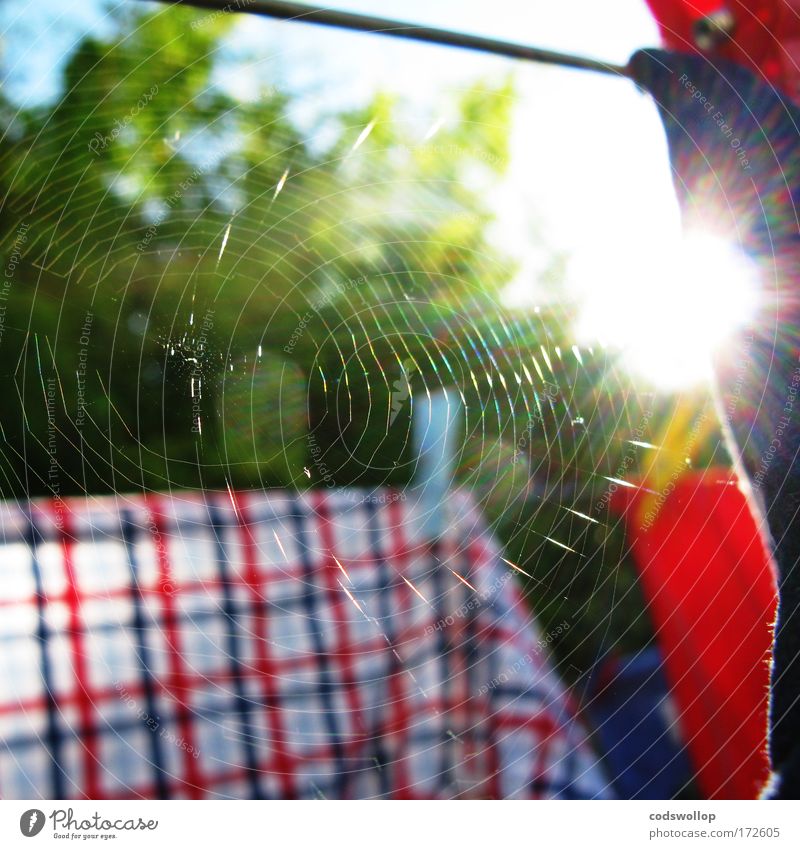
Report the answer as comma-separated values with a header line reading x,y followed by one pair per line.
x,y
667,313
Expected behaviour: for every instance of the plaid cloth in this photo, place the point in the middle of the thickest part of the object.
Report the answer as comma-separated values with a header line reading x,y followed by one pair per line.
x,y
252,645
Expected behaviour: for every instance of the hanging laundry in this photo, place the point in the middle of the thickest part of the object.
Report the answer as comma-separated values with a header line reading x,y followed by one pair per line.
x,y
734,147
272,646
710,593
635,715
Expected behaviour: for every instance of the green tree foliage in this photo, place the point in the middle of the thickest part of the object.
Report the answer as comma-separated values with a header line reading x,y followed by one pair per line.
x,y
184,235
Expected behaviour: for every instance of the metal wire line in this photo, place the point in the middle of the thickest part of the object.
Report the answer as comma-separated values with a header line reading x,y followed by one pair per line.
x,y
302,13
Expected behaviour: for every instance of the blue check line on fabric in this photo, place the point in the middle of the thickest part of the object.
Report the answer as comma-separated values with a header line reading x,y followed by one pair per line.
x,y
218,707
244,706
143,653
480,729
326,678
237,609
53,743
109,627
180,525
384,600
442,740
446,762
21,743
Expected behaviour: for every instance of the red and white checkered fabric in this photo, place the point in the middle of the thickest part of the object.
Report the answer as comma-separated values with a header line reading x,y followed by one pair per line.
x,y
271,645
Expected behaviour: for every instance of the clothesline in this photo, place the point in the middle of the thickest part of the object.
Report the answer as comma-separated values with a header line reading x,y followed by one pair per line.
x,y
302,13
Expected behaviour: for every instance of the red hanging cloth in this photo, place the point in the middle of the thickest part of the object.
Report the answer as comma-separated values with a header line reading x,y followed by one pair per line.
x,y
711,593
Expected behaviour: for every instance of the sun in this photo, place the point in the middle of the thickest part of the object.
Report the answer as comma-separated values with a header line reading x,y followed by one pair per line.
x,y
669,310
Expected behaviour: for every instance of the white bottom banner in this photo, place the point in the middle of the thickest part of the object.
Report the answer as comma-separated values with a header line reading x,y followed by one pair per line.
x,y
397,825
